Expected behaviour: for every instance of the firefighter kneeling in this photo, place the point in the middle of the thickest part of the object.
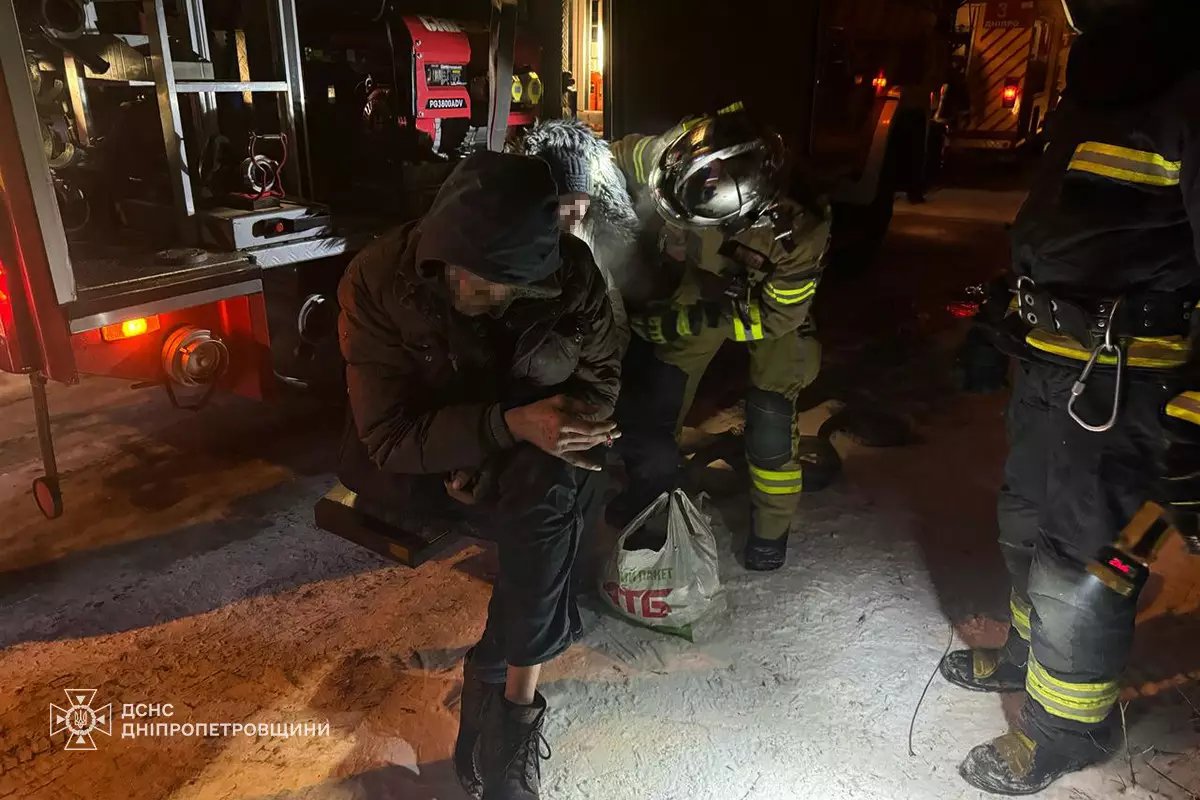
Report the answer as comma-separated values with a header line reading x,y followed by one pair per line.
x,y
749,262
1107,281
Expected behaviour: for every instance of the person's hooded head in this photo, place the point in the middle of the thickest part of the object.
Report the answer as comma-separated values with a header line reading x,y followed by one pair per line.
x,y
569,147
493,231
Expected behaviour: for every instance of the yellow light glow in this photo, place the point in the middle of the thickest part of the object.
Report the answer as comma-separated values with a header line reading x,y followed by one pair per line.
x,y
134,327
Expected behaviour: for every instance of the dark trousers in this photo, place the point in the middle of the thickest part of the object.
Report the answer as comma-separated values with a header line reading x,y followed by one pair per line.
x,y
1067,492
648,411
543,507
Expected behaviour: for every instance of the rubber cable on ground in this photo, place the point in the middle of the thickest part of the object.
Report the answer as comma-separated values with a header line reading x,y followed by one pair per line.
x,y
913,722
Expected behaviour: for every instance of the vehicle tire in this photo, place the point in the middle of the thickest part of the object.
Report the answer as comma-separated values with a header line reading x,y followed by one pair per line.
x,y
48,497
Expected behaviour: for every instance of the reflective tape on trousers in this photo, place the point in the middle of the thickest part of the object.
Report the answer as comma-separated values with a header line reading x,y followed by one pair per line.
x,y
1019,611
1088,703
1185,407
769,481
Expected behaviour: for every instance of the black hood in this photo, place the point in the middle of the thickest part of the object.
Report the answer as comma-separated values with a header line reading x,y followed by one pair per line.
x,y
497,216
1133,57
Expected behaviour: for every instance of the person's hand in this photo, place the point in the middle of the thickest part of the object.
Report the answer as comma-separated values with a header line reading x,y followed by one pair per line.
x,y
559,426
662,324
463,486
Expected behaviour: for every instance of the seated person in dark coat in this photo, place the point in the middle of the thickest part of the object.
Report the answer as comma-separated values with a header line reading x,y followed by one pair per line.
x,y
482,366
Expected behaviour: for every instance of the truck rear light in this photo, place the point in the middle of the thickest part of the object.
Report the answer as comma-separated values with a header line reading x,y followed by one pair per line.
x,y
6,309
129,329
1010,92
880,82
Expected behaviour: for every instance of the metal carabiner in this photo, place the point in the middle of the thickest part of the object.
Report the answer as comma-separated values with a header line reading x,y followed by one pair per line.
x,y
1108,347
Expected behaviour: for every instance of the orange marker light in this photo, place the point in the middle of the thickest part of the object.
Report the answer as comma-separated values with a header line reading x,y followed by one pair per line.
x,y
134,327
129,329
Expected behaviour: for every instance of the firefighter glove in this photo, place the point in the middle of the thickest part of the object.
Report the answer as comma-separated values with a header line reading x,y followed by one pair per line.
x,y
662,324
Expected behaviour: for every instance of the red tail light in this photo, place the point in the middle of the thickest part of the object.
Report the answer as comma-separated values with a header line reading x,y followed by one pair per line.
x,y
5,300
1010,92
963,309
880,83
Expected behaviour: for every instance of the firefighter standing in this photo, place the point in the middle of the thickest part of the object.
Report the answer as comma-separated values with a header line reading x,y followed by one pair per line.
x,y
749,261
1107,279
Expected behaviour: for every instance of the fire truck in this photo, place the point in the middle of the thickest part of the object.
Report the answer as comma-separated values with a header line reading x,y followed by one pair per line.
x,y
1011,61
182,182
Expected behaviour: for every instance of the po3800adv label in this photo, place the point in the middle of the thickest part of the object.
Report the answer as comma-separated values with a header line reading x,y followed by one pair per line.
x,y
438,103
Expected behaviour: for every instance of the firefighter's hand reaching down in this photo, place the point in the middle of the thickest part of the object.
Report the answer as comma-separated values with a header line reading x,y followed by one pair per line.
x,y
560,426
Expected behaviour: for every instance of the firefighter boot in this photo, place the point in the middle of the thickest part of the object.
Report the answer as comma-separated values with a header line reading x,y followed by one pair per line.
x,y
989,669
474,696
1014,764
510,749
765,555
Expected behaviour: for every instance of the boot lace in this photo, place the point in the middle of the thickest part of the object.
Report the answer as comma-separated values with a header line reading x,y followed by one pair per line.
x,y
527,760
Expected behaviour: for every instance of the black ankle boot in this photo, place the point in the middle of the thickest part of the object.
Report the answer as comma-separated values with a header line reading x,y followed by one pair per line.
x,y
765,555
510,749
475,694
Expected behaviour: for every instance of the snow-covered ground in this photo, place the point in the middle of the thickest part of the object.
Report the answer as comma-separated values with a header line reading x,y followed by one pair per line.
x,y
188,571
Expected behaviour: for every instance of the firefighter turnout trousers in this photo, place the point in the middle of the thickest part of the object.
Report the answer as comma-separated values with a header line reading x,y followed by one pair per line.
x,y
1068,492
659,386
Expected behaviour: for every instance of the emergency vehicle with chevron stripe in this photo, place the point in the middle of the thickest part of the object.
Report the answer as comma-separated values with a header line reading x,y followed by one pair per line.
x,y
1013,54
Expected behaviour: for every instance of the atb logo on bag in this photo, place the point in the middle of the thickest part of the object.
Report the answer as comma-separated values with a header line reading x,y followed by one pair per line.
x,y
644,603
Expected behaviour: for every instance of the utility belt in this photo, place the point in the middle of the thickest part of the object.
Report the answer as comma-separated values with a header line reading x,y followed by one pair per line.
x,y
1149,330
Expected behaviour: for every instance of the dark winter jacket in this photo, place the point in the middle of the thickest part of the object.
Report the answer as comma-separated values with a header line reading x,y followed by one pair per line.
x,y
428,386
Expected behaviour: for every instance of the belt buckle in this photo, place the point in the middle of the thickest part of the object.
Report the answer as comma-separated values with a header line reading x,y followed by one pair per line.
x,y
1034,306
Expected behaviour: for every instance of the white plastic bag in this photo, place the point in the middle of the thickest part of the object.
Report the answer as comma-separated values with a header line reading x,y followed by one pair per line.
x,y
671,588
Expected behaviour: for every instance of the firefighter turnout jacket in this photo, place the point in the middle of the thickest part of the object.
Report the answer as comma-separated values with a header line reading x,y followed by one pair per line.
x,y
755,286
1113,216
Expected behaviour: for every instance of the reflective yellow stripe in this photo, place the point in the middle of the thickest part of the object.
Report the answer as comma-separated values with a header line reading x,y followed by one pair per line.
x,y
1019,611
789,297
1185,407
638,170
756,329
1081,702
683,323
1153,352
654,328
769,481
1125,164
776,475
732,107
